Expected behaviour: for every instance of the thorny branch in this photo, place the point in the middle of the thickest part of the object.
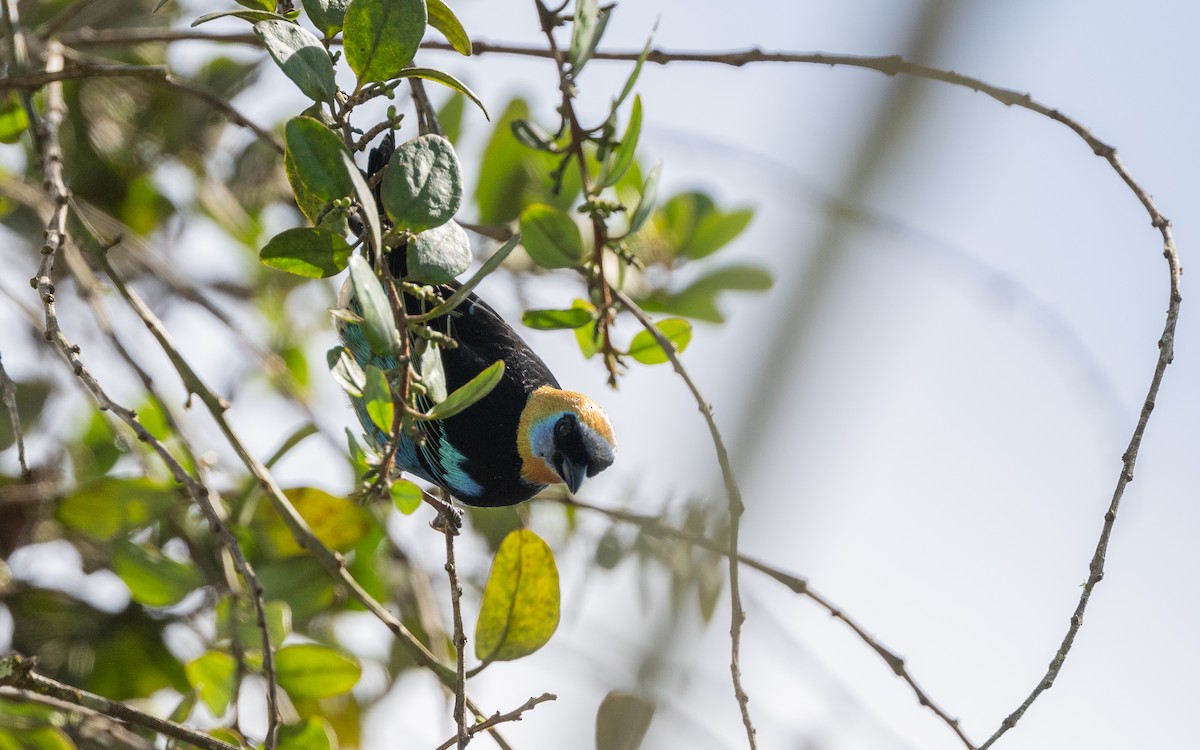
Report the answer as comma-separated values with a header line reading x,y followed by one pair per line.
x,y
498,718
656,527
737,613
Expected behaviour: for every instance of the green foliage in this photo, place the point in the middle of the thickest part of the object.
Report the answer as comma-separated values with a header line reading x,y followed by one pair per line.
x,y
422,187
326,15
622,721
520,606
437,255
310,670
314,252
406,496
300,56
646,349
214,677
551,237
473,390
110,507
378,324
309,734
444,20
382,36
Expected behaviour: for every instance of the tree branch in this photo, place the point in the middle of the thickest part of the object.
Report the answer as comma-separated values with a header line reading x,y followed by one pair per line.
x,y
17,671
499,718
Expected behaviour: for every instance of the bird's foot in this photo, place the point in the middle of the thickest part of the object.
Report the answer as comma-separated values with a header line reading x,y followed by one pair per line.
x,y
448,519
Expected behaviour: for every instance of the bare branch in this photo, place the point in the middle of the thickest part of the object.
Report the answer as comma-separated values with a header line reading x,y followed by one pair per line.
x,y
460,637
8,395
734,495
499,718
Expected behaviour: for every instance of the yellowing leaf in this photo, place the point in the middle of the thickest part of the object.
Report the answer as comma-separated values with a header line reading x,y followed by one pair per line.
x,y
520,607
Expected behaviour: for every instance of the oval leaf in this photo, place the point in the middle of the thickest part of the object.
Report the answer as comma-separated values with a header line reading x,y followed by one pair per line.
x,y
214,676
345,369
475,389
310,670
406,496
714,231
551,237
300,56
546,320
326,15
339,523
154,580
422,188
622,721
109,507
623,153
378,398
369,209
379,324
444,20
645,348
314,252
317,171
313,733
520,606
437,255
382,36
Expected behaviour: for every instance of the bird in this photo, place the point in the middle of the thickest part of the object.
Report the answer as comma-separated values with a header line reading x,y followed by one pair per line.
x,y
527,433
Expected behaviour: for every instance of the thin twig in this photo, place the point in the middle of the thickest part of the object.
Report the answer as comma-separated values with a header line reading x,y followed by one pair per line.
x,y
734,495
17,672
8,394
88,719
654,526
460,639
499,718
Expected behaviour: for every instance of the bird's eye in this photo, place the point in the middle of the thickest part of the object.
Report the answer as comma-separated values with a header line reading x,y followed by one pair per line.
x,y
563,427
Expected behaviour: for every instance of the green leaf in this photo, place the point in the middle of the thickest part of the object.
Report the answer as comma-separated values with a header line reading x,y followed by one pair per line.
x,y
531,135
109,507
378,398
551,237
237,617
432,369
379,325
326,15
380,37
633,75
699,299
622,721
337,522
451,117
313,252
447,80
520,606
214,676
423,185
444,20
301,57
586,30
154,580
645,348
646,203
310,670
474,390
313,733
257,4
39,738
406,496
317,169
369,210
437,255
253,16
713,231
512,176
14,120
623,154
346,371
546,320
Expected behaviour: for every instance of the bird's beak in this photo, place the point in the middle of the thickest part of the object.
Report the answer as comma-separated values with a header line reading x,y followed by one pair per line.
x,y
572,473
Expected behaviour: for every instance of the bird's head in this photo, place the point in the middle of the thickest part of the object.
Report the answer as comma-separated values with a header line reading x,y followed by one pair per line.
x,y
563,437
